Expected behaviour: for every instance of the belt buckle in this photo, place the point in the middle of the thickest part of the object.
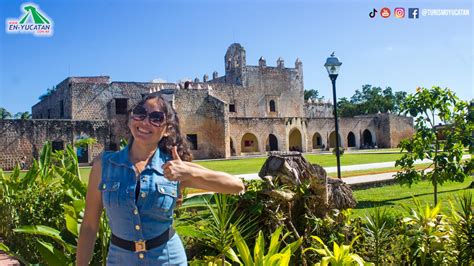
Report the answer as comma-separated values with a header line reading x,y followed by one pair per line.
x,y
140,246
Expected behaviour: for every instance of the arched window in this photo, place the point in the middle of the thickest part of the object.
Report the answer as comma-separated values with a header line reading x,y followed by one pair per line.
x,y
272,106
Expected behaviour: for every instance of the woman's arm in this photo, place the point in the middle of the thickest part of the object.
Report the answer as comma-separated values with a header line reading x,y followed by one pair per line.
x,y
90,223
203,178
196,176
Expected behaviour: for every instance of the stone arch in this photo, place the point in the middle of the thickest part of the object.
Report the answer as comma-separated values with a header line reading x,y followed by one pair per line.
x,y
249,143
351,140
272,106
367,138
272,143
317,141
295,142
332,140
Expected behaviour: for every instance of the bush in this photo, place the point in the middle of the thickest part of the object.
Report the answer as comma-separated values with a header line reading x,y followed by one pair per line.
x,y
341,151
40,211
32,205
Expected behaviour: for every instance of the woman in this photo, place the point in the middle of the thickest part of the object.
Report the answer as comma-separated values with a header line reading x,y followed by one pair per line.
x,y
139,185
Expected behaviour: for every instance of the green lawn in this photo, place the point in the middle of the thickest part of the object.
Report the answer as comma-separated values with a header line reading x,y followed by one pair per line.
x,y
253,165
394,195
376,150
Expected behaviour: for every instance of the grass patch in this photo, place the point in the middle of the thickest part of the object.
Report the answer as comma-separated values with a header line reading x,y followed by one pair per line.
x,y
253,165
376,150
393,196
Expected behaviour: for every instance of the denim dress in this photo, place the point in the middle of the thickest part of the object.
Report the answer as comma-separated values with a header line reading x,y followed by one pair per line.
x,y
142,219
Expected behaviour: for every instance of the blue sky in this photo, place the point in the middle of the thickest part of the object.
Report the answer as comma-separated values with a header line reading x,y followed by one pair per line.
x,y
144,40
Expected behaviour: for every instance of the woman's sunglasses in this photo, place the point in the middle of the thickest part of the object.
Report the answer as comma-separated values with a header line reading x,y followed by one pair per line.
x,y
156,118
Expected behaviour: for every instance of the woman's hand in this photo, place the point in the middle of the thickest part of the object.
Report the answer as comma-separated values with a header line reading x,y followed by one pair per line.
x,y
176,169
196,176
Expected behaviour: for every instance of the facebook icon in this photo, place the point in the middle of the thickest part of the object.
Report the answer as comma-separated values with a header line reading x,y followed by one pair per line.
x,y
413,13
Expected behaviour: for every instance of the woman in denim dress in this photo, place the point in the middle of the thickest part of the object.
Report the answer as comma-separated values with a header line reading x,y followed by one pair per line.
x,y
138,187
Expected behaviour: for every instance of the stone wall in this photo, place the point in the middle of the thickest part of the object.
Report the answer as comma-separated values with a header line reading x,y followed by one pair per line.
x,y
318,109
26,137
401,127
205,116
60,104
57,105
283,87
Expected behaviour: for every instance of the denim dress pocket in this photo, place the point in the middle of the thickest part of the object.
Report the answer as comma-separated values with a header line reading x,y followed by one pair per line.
x,y
110,193
165,200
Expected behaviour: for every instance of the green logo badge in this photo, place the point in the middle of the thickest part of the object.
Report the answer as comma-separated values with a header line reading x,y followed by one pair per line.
x,y
33,20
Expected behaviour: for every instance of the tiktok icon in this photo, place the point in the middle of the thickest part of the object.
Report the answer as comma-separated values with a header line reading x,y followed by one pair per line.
x,y
373,13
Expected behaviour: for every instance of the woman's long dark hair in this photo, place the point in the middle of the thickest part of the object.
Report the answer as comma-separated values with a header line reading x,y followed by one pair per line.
x,y
174,136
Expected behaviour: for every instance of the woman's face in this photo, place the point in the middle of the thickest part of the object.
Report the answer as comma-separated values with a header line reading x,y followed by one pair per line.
x,y
142,129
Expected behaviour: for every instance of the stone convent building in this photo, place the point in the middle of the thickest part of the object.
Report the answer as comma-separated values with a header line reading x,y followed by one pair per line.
x,y
248,110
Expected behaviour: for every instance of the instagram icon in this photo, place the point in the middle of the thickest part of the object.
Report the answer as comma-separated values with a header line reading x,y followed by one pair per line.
x,y
399,12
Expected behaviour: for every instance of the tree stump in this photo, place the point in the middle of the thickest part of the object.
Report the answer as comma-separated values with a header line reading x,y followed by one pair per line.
x,y
292,170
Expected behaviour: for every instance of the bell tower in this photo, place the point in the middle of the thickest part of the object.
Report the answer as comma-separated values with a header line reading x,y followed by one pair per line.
x,y
235,64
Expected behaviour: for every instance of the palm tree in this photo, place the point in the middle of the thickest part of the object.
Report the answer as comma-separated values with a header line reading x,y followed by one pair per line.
x,y
4,114
22,115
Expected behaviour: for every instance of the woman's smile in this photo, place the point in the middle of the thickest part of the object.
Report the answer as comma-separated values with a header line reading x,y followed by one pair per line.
x,y
143,131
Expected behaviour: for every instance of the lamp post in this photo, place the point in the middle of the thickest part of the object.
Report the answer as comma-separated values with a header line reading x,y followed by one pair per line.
x,y
332,65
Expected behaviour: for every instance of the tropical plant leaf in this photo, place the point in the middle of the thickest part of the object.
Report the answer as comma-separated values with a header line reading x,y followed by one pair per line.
x,y
275,242
51,255
71,220
242,247
230,253
259,249
39,230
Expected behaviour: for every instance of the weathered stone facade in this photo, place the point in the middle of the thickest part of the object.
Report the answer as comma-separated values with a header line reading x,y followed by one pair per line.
x,y
25,138
251,109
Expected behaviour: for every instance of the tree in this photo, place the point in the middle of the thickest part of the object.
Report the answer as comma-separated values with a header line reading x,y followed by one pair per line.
x,y
443,143
49,91
4,114
346,108
22,115
371,100
85,142
312,94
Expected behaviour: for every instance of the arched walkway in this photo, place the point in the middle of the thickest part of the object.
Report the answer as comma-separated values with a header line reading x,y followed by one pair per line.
x,y
317,141
332,140
272,143
367,139
295,143
249,143
351,140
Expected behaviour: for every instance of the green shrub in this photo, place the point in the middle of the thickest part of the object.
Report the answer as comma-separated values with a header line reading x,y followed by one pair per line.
x,y
30,205
40,211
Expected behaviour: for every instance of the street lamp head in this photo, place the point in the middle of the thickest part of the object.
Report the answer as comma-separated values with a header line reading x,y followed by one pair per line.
x,y
332,65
